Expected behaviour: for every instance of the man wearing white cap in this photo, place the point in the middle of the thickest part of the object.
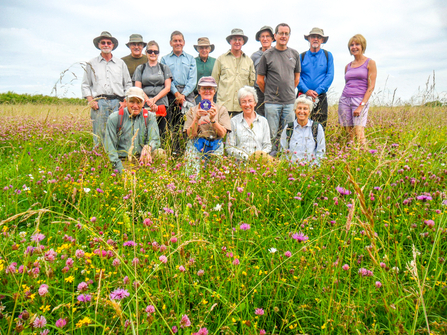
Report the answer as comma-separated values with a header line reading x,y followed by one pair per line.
x,y
106,79
317,74
132,132
233,70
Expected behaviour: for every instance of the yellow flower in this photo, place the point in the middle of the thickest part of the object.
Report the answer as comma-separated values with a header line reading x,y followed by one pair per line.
x,y
69,279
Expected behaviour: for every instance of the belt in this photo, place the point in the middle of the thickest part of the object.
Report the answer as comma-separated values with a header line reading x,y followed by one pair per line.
x,y
110,97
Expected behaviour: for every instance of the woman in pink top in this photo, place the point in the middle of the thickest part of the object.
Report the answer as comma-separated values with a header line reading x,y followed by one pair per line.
x,y
360,77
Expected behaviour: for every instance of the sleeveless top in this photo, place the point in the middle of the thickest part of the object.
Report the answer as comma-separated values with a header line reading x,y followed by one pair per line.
x,y
356,80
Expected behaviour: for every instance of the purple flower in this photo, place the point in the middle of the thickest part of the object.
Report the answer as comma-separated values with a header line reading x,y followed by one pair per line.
x,y
244,226
345,267
185,322
82,286
150,309
99,190
259,311
424,197
84,297
37,237
40,322
43,290
202,331
163,259
168,210
342,190
200,273
373,151
61,323
174,329
181,268
119,294
236,261
430,223
240,189
129,244
300,237
288,254
378,284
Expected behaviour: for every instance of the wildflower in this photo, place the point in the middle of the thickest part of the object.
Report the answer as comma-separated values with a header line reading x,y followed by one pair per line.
x,y
50,255
119,294
342,191
43,290
382,265
84,297
44,332
168,210
93,219
288,254
365,273
135,261
185,322
86,189
240,189
173,239
300,237
244,226
69,262
174,329
202,331
150,309
116,262
147,222
262,332
373,151
236,261
129,244
11,268
378,284
200,273
99,190
82,286
79,253
61,323
163,259
181,268
259,311
40,322
273,250
218,208
345,267
424,197
430,223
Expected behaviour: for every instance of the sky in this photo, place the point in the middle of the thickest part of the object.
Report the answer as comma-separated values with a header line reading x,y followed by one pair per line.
x,y
44,44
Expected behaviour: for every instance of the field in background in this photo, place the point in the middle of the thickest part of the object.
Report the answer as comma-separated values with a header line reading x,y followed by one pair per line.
x,y
356,246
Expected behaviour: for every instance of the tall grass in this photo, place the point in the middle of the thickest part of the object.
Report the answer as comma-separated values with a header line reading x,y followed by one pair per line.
x,y
239,249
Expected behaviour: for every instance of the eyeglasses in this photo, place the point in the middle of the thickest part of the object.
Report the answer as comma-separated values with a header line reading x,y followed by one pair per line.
x,y
106,43
316,36
283,34
150,52
136,44
207,88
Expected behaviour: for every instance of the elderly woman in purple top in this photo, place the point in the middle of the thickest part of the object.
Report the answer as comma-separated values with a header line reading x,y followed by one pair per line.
x,y
360,77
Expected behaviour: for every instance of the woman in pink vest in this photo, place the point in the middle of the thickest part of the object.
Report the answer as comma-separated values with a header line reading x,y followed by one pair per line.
x,y
360,77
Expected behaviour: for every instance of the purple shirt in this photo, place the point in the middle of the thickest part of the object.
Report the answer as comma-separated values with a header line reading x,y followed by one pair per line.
x,y
356,80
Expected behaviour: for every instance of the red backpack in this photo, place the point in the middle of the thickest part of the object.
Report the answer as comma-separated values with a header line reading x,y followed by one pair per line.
x,y
121,115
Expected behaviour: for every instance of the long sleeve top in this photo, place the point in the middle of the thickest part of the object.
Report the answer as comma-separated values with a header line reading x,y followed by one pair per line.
x,y
301,146
317,72
105,77
184,71
118,143
245,140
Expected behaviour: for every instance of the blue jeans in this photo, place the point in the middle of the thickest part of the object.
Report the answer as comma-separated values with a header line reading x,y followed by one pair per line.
x,y
99,118
278,116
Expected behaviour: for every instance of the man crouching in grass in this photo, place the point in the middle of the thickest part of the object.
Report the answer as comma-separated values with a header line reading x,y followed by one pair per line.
x,y
132,132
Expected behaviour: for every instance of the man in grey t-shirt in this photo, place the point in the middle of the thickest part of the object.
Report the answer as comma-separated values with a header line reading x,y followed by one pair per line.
x,y
278,75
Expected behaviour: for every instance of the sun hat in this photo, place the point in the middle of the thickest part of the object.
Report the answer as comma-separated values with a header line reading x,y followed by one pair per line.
x,y
207,81
203,42
265,28
317,31
136,38
237,32
135,92
105,34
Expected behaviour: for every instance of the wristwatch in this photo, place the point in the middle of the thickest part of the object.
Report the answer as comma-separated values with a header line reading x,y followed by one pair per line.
x,y
362,104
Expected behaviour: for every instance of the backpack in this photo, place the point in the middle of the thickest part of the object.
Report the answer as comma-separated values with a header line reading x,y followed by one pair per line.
x,y
289,132
162,66
121,115
325,53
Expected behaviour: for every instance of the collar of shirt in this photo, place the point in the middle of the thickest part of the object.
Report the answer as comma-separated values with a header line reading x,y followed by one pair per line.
x,y
100,59
229,53
314,54
173,54
309,124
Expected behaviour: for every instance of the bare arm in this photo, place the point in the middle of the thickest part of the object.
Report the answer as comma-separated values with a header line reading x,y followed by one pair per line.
x,y
372,75
297,79
261,83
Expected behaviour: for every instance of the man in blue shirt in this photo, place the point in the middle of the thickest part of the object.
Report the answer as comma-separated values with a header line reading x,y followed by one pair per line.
x,y
317,74
184,72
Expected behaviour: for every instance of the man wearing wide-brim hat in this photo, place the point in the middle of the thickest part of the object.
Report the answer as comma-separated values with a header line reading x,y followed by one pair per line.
x,y
104,93
204,62
233,70
266,36
136,57
317,74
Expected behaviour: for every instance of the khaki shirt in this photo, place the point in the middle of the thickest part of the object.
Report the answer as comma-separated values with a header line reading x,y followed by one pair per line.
x,y
205,128
231,74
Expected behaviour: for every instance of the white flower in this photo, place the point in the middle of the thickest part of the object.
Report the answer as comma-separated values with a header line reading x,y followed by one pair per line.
x,y
273,250
31,176
22,234
86,189
218,208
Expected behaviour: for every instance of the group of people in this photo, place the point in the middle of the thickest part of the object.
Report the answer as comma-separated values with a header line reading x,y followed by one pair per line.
x,y
247,106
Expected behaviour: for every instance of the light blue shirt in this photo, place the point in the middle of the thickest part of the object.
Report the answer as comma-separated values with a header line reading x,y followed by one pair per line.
x,y
184,71
301,147
317,72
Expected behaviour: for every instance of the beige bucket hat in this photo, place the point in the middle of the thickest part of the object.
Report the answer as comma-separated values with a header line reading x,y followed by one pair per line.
x,y
136,38
203,42
105,34
317,31
237,32
265,28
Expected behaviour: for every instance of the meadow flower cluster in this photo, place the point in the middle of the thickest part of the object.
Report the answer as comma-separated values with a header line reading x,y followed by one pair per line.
x,y
356,246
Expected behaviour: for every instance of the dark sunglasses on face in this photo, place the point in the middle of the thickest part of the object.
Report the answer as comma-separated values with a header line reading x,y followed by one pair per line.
x,y
150,52
106,43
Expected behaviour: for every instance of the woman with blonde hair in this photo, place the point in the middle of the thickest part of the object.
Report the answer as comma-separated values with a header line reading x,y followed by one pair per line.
x,y
360,77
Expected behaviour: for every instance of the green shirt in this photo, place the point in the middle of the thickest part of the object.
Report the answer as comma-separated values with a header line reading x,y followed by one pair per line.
x,y
204,69
117,144
133,62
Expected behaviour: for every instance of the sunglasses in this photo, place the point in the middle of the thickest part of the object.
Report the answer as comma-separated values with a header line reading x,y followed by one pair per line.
x,y
150,52
106,43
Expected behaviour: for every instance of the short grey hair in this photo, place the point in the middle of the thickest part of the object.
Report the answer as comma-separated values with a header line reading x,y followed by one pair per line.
x,y
246,91
303,100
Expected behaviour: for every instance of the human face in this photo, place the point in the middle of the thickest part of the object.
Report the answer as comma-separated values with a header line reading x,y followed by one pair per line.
x,y
302,113
236,43
282,36
204,52
248,104
355,48
177,43
150,53
106,45
207,92
266,40
136,49
315,42
135,105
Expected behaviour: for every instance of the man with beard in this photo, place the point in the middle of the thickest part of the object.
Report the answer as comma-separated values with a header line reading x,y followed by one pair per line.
x,y
106,79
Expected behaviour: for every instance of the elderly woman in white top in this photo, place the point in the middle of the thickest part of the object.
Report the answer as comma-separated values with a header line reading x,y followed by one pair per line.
x,y
303,139
250,132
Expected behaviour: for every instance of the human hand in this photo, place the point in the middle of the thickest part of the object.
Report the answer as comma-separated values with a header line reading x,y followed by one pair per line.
x,y
93,104
358,110
212,112
123,104
312,93
179,98
146,157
